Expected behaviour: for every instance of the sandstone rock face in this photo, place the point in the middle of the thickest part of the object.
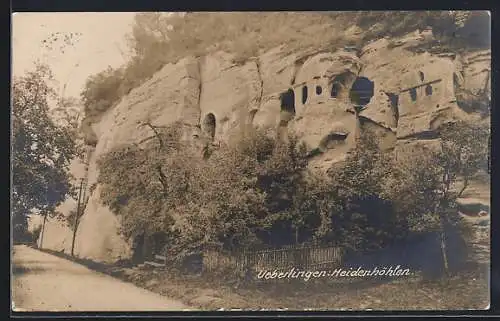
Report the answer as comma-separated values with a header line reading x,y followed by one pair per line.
x,y
57,236
310,93
97,236
229,93
411,89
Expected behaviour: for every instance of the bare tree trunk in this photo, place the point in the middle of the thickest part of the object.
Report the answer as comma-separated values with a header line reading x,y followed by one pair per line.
x,y
163,180
466,184
443,248
42,234
157,134
441,209
357,133
75,225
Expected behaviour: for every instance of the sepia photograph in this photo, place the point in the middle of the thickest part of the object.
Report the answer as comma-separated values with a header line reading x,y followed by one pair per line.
x,y
250,161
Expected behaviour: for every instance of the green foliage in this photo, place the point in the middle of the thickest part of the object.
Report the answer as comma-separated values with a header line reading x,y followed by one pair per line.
x,y
449,27
239,197
414,184
358,214
467,150
257,191
41,149
101,91
422,184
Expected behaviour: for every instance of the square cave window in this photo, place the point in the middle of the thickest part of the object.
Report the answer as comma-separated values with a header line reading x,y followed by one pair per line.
x,y
287,100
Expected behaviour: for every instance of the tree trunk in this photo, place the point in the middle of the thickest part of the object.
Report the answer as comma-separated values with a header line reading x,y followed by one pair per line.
x,y
442,204
163,180
466,183
357,133
42,234
157,134
443,250
75,225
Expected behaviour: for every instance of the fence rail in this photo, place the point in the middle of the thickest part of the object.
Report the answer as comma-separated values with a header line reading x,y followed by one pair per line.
x,y
311,257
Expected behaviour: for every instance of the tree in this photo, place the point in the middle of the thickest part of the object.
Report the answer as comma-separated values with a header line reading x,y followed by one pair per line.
x,y
422,184
41,149
466,146
426,195
357,213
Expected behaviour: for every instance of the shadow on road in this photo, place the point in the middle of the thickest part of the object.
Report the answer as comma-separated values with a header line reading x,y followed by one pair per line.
x,y
19,270
23,267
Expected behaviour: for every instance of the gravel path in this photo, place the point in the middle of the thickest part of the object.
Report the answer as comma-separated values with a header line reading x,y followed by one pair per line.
x,y
43,282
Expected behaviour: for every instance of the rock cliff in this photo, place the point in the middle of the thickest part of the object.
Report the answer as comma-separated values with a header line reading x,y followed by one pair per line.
x,y
403,89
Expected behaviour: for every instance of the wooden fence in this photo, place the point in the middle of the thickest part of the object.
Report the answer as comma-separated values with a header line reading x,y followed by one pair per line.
x,y
310,258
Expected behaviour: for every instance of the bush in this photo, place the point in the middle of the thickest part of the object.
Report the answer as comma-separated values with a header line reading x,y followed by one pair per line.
x,y
242,195
256,191
358,214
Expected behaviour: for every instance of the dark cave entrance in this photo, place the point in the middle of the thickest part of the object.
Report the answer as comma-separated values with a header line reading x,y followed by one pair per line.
x,y
361,91
335,90
421,76
288,101
428,90
339,84
209,124
332,140
304,94
413,94
287,112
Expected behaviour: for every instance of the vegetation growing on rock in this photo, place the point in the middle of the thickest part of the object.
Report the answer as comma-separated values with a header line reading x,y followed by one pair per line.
x,y
258,191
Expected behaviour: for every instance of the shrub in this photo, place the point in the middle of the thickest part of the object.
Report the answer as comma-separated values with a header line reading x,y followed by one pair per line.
x,y
256,191
239,197
357,213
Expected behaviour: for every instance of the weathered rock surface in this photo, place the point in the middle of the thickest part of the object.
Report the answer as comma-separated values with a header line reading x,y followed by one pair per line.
x,y
414,92
100,226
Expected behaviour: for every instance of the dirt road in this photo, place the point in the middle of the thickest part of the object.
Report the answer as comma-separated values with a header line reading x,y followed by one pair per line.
x,y
43,282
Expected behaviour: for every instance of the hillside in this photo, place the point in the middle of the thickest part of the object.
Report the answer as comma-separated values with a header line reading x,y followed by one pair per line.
x,y
416,83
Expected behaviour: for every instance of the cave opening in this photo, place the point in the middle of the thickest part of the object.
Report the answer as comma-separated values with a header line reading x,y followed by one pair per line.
x,y
332,140
362,91
339,82
421,75
413,94
209,125
335,90
428,90
304,94
394,100
319,90
287,100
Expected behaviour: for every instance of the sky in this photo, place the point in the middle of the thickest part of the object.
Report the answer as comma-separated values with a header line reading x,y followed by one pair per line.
x,y
100,43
